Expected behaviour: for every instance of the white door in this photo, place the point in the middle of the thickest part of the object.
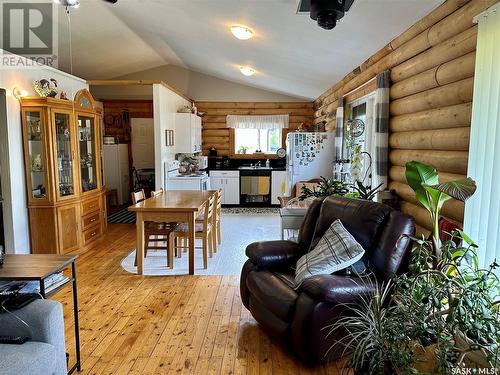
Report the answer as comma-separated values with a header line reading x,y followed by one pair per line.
x,y
231,190
143,148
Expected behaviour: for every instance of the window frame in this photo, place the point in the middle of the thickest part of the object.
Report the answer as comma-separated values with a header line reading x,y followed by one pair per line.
x,y
232,147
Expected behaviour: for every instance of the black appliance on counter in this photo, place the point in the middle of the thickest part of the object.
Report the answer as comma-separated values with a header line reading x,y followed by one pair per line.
x,y
255,187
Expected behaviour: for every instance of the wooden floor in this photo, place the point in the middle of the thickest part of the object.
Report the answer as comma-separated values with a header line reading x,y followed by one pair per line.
x,y
154,325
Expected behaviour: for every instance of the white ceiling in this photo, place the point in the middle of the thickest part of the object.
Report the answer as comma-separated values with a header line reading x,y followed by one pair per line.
x,y
290,53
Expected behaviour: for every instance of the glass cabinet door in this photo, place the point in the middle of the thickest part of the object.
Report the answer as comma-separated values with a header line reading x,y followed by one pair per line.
x,y
88,153
64,153
36,153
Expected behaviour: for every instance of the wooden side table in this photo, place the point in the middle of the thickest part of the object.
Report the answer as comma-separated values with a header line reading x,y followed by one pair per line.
x,y
38,267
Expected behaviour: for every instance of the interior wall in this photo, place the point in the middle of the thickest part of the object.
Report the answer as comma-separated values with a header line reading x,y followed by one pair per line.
x,y
114,123
432,65
12,159
166,103
195,85
215,132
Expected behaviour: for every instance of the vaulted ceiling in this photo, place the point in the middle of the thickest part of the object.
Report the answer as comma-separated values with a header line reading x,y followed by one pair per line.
x,y
289,52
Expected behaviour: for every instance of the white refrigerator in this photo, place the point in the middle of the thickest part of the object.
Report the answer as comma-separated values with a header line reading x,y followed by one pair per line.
x,y
309,155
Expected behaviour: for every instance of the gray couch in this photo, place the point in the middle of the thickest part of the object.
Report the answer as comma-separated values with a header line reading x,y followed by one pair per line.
x,y
45,353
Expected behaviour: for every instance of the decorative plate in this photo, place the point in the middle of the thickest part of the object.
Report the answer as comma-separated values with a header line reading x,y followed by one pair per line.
x,y
357,128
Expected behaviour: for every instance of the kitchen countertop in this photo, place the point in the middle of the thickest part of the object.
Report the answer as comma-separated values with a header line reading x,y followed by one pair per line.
x,y
238,168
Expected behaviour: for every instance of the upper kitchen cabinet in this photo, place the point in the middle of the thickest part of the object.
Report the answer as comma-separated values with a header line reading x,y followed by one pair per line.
x,y
187,133
62,154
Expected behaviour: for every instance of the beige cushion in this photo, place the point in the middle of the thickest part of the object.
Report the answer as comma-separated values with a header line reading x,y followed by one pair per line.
x,y
335,251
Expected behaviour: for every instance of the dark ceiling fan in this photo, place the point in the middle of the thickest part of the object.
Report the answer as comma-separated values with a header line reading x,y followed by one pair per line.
x,y
325,12
76,3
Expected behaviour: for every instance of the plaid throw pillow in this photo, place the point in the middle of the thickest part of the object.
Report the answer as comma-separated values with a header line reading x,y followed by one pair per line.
x,y
336,250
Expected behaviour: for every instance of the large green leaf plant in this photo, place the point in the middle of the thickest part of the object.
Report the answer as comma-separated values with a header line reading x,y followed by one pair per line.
x,y
432,194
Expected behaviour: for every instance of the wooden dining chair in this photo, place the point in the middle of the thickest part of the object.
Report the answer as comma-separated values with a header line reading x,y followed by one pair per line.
x,y
203,230
216,233
217,226
155,232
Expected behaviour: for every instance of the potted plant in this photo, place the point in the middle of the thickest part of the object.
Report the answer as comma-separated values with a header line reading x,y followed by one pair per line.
x,y
443,313
243,149
325,188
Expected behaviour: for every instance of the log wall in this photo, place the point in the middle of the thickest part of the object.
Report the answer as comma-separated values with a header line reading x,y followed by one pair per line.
x,y
432,69
215,132
112,116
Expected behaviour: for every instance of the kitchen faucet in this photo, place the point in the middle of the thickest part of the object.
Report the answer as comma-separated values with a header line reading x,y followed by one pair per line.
x,y
257,164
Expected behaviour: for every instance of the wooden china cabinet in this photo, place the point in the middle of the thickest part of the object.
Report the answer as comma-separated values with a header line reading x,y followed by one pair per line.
x,y
62,153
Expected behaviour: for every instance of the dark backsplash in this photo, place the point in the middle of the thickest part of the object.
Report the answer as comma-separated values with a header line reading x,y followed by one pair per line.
x,y
236,163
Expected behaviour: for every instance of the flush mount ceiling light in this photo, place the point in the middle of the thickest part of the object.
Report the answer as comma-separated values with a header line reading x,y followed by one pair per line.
x,y
242,32
247,71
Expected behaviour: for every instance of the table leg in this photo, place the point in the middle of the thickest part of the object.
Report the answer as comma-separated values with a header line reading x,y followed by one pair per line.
x,y
140,243
42,288
77,324
191,228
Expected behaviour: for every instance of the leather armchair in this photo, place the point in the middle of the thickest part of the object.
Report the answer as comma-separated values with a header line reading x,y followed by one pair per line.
x,y
299,318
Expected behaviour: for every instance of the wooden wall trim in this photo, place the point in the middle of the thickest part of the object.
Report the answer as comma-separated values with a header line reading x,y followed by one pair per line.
x,y
135,82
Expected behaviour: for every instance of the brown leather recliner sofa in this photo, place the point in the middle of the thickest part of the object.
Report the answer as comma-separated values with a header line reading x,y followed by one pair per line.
x,y
299,318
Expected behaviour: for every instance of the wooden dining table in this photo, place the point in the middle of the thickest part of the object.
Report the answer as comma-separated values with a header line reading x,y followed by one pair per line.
x,y
170,206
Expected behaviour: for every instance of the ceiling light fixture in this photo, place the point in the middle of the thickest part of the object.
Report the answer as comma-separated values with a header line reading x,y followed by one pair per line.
x,y
242,32
247,71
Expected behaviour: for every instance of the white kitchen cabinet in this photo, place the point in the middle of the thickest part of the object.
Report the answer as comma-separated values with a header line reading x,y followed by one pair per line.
x,y
278,185
187,134
229,182
232,191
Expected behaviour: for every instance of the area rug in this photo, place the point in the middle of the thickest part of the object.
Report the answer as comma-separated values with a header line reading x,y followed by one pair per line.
x,y
155,264
237,232
122,217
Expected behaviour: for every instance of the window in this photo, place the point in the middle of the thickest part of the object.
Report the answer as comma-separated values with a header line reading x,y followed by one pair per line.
x,y
257,133
249,141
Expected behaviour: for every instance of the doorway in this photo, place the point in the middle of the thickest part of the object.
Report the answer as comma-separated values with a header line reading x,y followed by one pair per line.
x,y
143,154
142,138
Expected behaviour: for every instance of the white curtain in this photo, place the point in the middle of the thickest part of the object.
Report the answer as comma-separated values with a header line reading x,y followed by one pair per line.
x,y
257,122
482,211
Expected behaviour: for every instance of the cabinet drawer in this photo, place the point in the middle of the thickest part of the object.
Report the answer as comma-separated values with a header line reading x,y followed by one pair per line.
x,y
91,205
91,234
224,174
92,219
